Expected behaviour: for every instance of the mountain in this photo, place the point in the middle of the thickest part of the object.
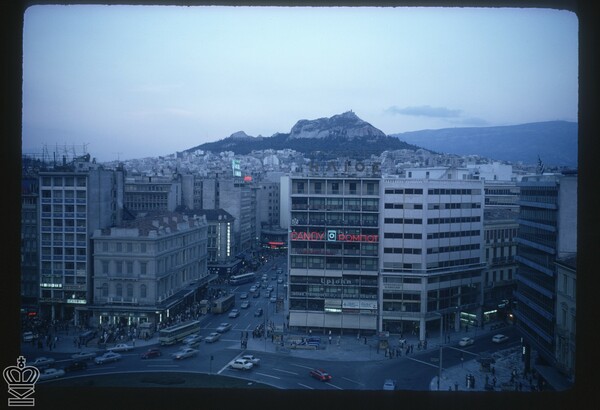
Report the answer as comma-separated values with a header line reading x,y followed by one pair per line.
x,y
555,142
343,135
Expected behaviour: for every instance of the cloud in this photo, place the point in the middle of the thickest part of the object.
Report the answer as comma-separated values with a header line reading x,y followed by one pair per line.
x,y
425,111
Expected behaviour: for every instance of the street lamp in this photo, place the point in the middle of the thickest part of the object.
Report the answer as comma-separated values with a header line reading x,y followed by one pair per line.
x,y
441,342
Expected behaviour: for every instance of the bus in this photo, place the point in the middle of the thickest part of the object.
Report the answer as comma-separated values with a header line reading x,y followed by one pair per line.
x,y
175,333
223,304
243,278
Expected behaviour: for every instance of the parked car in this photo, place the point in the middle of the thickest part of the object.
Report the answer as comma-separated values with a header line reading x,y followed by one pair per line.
x,y
466,341
499,338
213,337
121,347
42,362
224,327
320,374
108,357
184,353
29,336
253,288
273,299
279,280
244,295
234,313
150,353
270,288
258,312
76,366
241,364
48,374
83,355
252,359
389,384
192,339
245,304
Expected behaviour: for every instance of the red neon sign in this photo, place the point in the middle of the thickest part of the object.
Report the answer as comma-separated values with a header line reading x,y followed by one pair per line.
x,y
341,237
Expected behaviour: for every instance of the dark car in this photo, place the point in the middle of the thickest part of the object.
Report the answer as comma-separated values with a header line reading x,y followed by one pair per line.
x,y
76,366
150,353
320,374
258,312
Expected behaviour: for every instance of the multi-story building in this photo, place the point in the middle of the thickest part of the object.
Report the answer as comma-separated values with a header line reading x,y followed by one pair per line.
x,y
75,200
501,195
499,277
566,313
30,268
147,269
432,254
238,198
333,251
152,193
547,231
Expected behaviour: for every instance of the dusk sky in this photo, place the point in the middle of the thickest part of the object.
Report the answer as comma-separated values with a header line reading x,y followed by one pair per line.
x,y
143,81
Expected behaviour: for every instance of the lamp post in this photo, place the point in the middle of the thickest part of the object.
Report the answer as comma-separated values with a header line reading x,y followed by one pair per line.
x,y
441,343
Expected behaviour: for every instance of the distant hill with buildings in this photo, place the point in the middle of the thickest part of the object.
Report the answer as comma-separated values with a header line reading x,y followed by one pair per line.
x,y
555,142
346,135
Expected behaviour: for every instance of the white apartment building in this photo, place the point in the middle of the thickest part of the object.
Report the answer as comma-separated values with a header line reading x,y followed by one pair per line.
x,y
431,251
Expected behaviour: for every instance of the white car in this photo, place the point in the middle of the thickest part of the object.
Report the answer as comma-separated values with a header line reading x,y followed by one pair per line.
x,y
213,337
389,384
499,338
252,359
466,341
224,327
107,357
121,347
48,374
253,289
245,304
83,355
243,295
185,352
42,362
234,313
192,339
28,336
241,364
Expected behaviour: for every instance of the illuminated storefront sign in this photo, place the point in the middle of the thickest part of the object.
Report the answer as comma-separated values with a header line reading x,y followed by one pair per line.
x,y
333,236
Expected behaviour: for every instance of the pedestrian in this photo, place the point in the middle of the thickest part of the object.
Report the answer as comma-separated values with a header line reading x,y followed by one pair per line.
x,y
330,337
407,350
365,339
467,381
455,386
493,371
494,381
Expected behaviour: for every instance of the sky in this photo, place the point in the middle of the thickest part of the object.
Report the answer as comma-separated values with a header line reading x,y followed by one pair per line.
x,y
126,82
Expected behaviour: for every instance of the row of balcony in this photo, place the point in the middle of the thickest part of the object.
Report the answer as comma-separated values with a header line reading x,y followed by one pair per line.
x,y
82,201
329,252
329,222
65,243
81,215
61,229
304,207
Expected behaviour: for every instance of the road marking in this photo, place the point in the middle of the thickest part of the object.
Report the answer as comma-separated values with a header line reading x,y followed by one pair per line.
x,y
304,367
333,385
268,375
304,385
421,361
353,381
286,371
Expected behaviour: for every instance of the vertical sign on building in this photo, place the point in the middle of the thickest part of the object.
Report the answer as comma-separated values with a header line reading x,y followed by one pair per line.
x,y
236,168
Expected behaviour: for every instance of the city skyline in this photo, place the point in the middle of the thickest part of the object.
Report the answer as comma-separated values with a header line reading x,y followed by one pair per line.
x,y
182,76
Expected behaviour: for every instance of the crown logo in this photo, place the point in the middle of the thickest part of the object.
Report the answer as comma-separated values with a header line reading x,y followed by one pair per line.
x,y
21,383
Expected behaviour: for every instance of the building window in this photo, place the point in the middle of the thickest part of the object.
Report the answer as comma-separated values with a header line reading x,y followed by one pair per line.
x,y
143,267
129,290
119,290
143,291
105,289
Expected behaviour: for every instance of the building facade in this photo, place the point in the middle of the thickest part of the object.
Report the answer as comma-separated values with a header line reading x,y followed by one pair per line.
x,y
145,270
547,231
499,277
30,262
152,193
333,255
566,314
75,200
432,255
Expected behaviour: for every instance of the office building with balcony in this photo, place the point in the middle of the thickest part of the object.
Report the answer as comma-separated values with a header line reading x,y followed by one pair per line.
x,y
75,200
333,260
566,314
30,260
547,232
499,277
431,250
148,269
152,193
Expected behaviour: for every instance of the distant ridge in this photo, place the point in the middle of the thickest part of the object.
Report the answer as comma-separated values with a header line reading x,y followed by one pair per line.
x,y
555,142
342,135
